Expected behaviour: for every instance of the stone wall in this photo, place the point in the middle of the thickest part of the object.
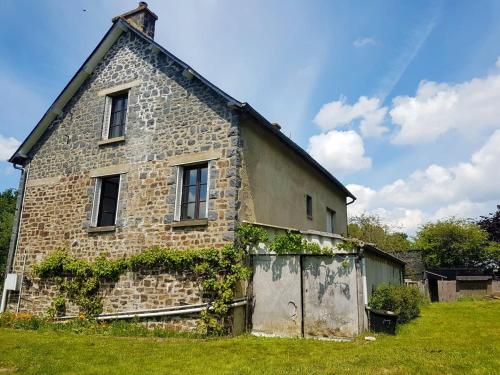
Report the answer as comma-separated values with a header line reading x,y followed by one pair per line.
x,y
169,118
415,267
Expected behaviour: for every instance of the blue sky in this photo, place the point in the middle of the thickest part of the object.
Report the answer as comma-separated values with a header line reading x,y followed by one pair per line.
x,y
399,99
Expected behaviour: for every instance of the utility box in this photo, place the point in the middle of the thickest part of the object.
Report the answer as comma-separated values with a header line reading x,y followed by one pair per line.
x,y
382,321
12,281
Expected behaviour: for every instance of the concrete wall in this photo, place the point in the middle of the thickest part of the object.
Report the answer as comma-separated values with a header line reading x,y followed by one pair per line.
x,y
380,270
275,182
318,293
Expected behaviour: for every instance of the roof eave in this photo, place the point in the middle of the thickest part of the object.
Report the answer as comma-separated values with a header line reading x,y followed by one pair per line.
x,y
295,147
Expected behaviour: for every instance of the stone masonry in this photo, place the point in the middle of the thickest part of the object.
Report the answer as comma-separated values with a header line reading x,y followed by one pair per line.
x,y
169,117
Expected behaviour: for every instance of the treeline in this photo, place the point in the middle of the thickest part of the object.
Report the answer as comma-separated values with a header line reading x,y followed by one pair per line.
x,y
450,242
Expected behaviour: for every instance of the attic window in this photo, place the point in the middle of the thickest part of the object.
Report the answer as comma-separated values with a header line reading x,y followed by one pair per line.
x,y
115,116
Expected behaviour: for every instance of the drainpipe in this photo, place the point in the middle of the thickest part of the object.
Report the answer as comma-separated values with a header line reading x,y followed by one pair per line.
x,y
171,311
15,230
363,276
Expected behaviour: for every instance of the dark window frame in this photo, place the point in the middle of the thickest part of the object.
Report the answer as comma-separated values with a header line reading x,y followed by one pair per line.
x,y
118,115
110,191
309,207
200,187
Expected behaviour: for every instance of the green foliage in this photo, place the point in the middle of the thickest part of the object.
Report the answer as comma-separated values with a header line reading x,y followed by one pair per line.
x,y
248,235
7,209
491,224
295,243
403,300
455,242
80,280
369,228
449,338
84,326
219,272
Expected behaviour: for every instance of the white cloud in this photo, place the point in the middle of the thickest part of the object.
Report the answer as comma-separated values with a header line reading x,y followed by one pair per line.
x,y
368,111
438,108
363,42
340,152
8,145
463,190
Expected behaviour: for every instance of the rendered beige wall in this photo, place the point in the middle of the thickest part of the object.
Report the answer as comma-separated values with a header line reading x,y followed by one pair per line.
x,y
275,182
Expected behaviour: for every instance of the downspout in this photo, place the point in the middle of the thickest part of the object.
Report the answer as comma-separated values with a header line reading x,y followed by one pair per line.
x,y
346,218
15,230
363,276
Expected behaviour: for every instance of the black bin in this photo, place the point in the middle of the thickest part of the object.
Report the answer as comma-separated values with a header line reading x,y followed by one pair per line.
x,y
382,321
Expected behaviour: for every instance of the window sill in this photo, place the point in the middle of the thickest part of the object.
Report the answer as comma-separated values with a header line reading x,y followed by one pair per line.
x,y
310,217
190,223
104,142
109,228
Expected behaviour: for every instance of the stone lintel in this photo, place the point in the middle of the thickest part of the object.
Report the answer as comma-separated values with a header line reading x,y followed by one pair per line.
x,y
111,170
118,88
194,157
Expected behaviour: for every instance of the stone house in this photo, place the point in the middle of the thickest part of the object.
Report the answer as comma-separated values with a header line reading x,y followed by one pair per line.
x,y
140,150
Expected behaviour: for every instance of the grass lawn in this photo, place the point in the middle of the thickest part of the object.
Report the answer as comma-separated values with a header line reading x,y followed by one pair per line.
x,y
449,338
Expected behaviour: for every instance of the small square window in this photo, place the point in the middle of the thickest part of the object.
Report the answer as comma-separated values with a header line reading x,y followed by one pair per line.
x,y
309,207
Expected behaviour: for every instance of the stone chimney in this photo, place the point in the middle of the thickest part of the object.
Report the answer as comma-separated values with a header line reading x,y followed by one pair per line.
x,y
141,18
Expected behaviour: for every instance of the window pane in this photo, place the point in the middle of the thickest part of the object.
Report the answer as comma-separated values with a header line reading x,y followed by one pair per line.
x,y
192,194
190,211
203,210
204,174
191,177
203,192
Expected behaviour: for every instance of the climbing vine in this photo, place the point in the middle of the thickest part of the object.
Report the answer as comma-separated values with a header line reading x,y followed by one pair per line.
x,y
219,271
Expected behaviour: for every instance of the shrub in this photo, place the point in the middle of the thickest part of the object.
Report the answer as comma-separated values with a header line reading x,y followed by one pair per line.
x,y
401,299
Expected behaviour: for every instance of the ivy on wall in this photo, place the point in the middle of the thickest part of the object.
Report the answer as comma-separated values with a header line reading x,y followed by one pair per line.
x,y
219,271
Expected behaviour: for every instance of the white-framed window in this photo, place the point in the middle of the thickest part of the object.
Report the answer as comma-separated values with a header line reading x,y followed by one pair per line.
x,y
115,115
106,199
330,220
192,189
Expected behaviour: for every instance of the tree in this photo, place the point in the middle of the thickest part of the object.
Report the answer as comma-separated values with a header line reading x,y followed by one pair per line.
x,y
7,208
369,228
491,224
456,243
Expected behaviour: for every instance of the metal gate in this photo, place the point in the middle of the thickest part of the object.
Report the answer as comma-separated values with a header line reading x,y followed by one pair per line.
x,y
304,295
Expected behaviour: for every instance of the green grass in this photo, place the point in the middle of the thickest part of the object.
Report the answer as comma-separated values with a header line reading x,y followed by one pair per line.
x,y
449,338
